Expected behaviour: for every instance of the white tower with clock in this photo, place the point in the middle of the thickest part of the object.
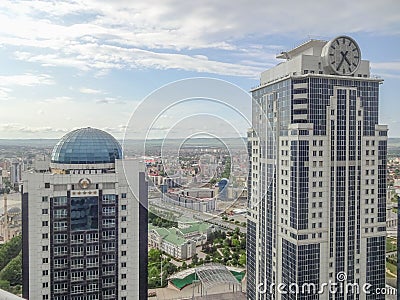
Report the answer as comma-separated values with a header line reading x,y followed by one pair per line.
x,y
317,186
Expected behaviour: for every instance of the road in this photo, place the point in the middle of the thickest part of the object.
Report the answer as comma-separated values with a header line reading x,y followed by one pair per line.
x,y
195,215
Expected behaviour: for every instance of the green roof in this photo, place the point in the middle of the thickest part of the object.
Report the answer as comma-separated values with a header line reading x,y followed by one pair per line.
x,y
181,283
196,227
168,235
174,239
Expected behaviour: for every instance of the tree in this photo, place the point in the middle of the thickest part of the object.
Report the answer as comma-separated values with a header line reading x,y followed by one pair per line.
x,y
13,271
242,259
10,250
195,259
154,255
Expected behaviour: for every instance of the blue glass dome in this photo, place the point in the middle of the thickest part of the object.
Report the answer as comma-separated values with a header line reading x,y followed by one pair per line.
x,y
86,146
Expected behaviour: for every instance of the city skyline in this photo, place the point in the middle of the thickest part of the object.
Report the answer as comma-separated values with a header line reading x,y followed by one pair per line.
x,y
68,63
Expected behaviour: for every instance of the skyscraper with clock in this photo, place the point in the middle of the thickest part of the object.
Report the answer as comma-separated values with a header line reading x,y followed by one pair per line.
x,y
317,184
85,222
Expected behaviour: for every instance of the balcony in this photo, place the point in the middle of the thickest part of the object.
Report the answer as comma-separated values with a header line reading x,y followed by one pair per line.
x,y
81,278
61,278
77,266
300,117
92,265
300,106
60,266
300,96
76,241
109,261
109,249
109,273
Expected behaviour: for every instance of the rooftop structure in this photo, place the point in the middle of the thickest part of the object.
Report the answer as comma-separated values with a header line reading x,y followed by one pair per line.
x,y
86,146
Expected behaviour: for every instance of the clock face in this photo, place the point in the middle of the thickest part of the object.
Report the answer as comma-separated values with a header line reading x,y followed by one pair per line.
x,y
343,55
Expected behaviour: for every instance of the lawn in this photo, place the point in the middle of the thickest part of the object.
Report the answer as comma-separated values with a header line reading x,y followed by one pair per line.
x,y
391,244
392,268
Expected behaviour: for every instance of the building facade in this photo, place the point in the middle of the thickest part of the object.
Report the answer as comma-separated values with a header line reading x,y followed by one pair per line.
x,y
317,176
85,222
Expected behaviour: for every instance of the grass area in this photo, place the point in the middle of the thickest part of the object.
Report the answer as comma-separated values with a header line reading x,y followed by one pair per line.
x,y
392,268
391,244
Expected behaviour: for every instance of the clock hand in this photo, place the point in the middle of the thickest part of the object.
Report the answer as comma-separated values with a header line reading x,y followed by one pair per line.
x,y
340,63
345,57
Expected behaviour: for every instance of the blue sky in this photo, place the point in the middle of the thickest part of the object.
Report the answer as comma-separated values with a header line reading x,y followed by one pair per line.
x,y
70,64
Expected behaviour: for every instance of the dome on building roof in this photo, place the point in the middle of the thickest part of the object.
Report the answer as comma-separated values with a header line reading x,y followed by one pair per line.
x,y
86,146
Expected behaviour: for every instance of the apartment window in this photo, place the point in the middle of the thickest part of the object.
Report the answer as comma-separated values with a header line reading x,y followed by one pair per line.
x,y
45,272
123,219
320,204
123,230
45,199
123,207
123,276
45,260
45,235
47,185
123,195
45,284
123,287
45,248
45,297
45,223
123,265
45,211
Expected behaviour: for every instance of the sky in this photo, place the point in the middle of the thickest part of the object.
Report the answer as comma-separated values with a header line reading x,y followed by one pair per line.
x,y
71,64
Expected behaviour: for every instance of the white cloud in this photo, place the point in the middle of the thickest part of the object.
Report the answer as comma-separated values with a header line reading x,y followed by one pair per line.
x,y
16,127
159,34
90,91
27,79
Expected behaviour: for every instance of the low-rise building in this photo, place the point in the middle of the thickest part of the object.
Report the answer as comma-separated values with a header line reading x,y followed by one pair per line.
x,y
179,242
168,241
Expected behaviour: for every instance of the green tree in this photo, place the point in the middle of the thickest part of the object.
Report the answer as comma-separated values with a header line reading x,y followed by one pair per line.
x,y
10,250
242,259
13,271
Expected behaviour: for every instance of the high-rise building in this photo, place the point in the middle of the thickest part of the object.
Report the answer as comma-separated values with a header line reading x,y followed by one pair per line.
x,y
317,184
85,222
15,172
